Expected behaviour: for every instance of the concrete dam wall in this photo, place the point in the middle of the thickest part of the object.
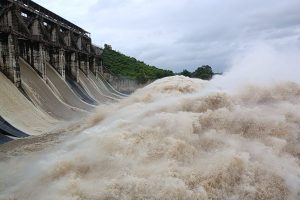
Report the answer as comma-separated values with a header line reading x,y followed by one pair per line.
x,y
50,72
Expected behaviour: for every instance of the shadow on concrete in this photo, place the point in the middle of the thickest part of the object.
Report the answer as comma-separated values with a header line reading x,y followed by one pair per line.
x,y
8,130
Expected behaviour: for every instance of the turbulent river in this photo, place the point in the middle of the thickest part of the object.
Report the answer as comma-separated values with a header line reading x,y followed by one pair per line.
x,y
179,138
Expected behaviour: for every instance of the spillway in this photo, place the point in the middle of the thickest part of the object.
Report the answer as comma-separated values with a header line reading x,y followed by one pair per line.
x,y
64,90
4,138
91,88
20,112
110,87
43,97
37,35
80,92
8,129
102,88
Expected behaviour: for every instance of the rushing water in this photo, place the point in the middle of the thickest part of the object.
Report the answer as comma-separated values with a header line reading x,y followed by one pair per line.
x,y
179,138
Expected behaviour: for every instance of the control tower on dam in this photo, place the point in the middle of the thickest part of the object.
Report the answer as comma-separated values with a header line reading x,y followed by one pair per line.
x,y
30,32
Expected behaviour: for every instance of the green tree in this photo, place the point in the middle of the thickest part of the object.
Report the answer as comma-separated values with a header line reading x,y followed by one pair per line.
x,y
187,73
204,72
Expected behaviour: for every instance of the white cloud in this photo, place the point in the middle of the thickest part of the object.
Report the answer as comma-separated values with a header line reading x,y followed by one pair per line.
x,y
181,34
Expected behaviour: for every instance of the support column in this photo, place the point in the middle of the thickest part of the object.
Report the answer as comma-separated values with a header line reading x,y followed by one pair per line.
x,y
79,43
54,59
88,46
78,65
13,61
101,67
47,55
9,18
87,65
2,55
30,54
23,49
84,64
74,67
39,60
35,28
67,38
94,66
61,62
54,34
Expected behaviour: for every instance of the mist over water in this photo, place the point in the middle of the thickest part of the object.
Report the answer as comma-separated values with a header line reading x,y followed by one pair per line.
x,y
262,64
235,137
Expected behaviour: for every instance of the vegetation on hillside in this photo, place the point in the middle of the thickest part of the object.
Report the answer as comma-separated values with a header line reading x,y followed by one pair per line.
x,y
204,72
129,67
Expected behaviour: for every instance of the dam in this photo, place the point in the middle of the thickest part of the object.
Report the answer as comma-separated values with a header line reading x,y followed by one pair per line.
x,y
69,134
50,71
